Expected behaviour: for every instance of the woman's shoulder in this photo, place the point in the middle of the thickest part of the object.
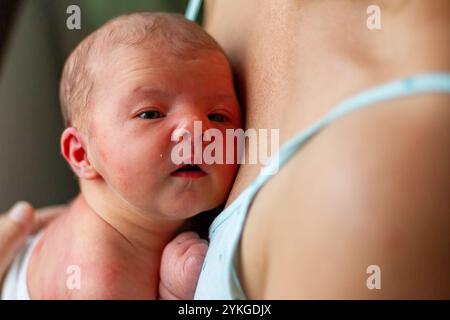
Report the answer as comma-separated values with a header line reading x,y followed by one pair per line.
x,y
374,180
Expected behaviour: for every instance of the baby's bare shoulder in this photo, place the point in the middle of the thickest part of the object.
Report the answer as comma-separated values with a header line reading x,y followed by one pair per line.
x,y
106,271
74,263
102,274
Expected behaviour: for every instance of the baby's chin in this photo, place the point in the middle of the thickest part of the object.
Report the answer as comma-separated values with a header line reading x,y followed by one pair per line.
x,y
187,209
176,204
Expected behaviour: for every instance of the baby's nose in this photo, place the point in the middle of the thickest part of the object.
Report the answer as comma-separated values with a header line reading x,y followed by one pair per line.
x,y
193,126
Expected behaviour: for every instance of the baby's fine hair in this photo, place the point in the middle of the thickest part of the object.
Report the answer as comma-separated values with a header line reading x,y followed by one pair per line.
x,y
182,37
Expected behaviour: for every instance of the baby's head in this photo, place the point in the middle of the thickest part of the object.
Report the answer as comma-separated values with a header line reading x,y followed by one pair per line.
x,y
124,91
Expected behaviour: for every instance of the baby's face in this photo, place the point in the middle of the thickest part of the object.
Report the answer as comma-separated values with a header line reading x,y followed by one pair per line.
x,y
138,101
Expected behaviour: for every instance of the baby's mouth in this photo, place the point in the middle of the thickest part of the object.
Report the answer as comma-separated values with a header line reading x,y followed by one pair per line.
x,y
189,171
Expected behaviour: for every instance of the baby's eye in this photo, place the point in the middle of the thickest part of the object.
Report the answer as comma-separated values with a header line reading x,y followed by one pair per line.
x,y
150,115
217,117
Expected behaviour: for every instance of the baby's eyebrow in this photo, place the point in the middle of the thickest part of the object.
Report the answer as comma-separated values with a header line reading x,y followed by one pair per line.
x,y
146,90
142,92
224,96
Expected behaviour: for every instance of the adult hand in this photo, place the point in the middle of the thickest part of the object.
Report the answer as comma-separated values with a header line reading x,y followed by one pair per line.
x,y
181,263
21,221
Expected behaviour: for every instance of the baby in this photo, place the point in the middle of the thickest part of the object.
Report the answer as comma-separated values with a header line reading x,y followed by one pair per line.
x,y
124,91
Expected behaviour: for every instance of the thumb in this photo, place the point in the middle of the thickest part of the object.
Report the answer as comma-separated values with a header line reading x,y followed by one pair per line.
x,y
14,229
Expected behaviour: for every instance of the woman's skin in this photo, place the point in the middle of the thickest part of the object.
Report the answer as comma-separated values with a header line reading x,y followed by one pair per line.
x,y
370,189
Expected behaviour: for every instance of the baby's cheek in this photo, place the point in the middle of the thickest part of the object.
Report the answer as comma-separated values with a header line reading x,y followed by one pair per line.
x,y
134,180
128,181
222,180
227,174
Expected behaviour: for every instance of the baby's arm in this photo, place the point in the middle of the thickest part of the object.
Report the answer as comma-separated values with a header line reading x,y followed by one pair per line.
x,y
181,263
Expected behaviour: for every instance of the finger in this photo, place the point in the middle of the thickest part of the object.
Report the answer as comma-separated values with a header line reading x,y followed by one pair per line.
x,y
45,215
174,251
164,293
197,249
187,245
182,237
192,267
14,229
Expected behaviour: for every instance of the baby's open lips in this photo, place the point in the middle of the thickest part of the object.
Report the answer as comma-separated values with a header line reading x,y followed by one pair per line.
x,y
188,167
188,170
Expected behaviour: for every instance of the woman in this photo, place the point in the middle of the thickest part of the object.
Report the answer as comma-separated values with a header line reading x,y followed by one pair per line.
x,y
359,208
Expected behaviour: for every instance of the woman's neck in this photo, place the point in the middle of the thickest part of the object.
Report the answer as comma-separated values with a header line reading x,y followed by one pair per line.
x,y
339,55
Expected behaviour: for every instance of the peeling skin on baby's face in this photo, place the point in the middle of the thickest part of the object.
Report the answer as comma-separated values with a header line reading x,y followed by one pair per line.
x,y
137,103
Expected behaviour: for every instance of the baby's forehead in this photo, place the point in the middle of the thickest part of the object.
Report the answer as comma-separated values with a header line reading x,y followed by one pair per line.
x,y
146,59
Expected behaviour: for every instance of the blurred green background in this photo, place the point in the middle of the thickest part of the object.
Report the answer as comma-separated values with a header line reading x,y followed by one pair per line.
x,y
31,167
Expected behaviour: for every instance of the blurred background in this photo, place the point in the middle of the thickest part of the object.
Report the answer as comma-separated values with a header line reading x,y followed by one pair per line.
x,y
34,43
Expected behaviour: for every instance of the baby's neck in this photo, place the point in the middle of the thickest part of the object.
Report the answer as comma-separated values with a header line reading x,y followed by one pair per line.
x,y
143,233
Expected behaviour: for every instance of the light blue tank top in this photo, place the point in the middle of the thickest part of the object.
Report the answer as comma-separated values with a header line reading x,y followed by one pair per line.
x,y
219,279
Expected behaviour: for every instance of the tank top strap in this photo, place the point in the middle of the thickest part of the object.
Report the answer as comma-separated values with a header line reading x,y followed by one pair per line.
x,y
193,9
432,82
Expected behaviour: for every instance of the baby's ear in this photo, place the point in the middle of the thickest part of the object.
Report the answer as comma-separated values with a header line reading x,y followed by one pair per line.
x,y
74,151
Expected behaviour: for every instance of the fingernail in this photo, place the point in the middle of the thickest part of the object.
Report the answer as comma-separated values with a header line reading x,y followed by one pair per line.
x,y
20,213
